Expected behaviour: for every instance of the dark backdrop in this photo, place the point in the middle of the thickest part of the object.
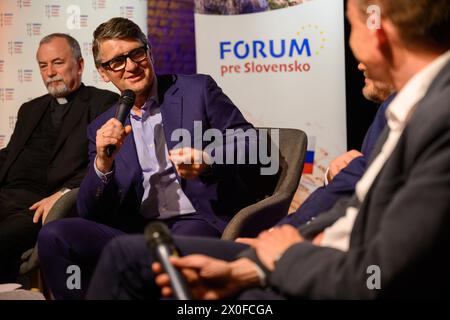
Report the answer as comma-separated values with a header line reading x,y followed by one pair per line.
x,y
360,112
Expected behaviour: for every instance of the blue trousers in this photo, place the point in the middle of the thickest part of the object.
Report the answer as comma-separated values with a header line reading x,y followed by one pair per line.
x,y
76,243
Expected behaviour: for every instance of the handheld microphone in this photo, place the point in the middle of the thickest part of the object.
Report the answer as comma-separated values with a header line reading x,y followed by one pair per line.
x,y
160,242
126,102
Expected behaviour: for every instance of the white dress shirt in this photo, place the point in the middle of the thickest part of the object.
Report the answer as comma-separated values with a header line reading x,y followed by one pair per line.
x,y
398,114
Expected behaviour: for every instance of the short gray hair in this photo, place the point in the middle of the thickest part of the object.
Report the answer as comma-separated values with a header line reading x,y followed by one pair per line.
x,y
71,41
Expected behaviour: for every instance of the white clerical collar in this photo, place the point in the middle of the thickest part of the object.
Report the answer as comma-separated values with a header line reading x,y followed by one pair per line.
x,y
62,100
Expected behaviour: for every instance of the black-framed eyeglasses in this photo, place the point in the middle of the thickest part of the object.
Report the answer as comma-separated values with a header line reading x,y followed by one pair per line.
x,y
119,63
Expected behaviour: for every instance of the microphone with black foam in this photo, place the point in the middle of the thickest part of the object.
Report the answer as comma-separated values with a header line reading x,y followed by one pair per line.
x,y
126,102
160,242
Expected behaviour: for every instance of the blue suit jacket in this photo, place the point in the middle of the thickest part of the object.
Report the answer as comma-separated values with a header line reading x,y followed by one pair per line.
x,y
343,184
216,196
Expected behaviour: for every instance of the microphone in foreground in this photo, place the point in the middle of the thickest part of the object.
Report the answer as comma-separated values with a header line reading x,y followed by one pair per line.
x,y
160,242
126,102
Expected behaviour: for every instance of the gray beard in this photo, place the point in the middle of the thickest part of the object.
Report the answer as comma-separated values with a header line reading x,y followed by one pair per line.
x,y
59,91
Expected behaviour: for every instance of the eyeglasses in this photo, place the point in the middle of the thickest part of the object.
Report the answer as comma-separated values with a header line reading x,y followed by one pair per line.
x,y
119,63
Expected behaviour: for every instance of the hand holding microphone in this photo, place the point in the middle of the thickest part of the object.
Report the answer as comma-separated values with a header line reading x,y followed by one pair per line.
x,y
160,242
112,134
126,102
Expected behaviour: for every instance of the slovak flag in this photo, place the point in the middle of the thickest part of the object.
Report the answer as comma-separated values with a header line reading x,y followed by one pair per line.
x,y
309,158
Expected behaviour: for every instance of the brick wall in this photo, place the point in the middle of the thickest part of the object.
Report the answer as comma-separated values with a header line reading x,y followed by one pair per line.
x,y
171,33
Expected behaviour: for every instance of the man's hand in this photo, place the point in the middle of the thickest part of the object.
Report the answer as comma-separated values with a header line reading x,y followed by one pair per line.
x,y
341,162
318,239
111,133
43,207
209,278
270,245
189,162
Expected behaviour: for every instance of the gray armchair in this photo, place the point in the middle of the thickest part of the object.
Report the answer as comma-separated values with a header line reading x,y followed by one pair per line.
x,y
63,208
276,191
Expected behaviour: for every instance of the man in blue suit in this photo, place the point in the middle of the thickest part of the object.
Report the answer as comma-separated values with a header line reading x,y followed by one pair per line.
x,y
149,176
345,171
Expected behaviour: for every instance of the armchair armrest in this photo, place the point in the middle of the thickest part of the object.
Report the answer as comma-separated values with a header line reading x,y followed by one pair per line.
x,y
251,220
63,208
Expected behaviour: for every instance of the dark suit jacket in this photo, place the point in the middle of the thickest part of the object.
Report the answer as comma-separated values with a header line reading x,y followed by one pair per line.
x,y
216,197
403,225
69,159
343,184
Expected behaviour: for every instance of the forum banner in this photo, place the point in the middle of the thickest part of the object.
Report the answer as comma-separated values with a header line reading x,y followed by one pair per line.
x,y
283,64
24,22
